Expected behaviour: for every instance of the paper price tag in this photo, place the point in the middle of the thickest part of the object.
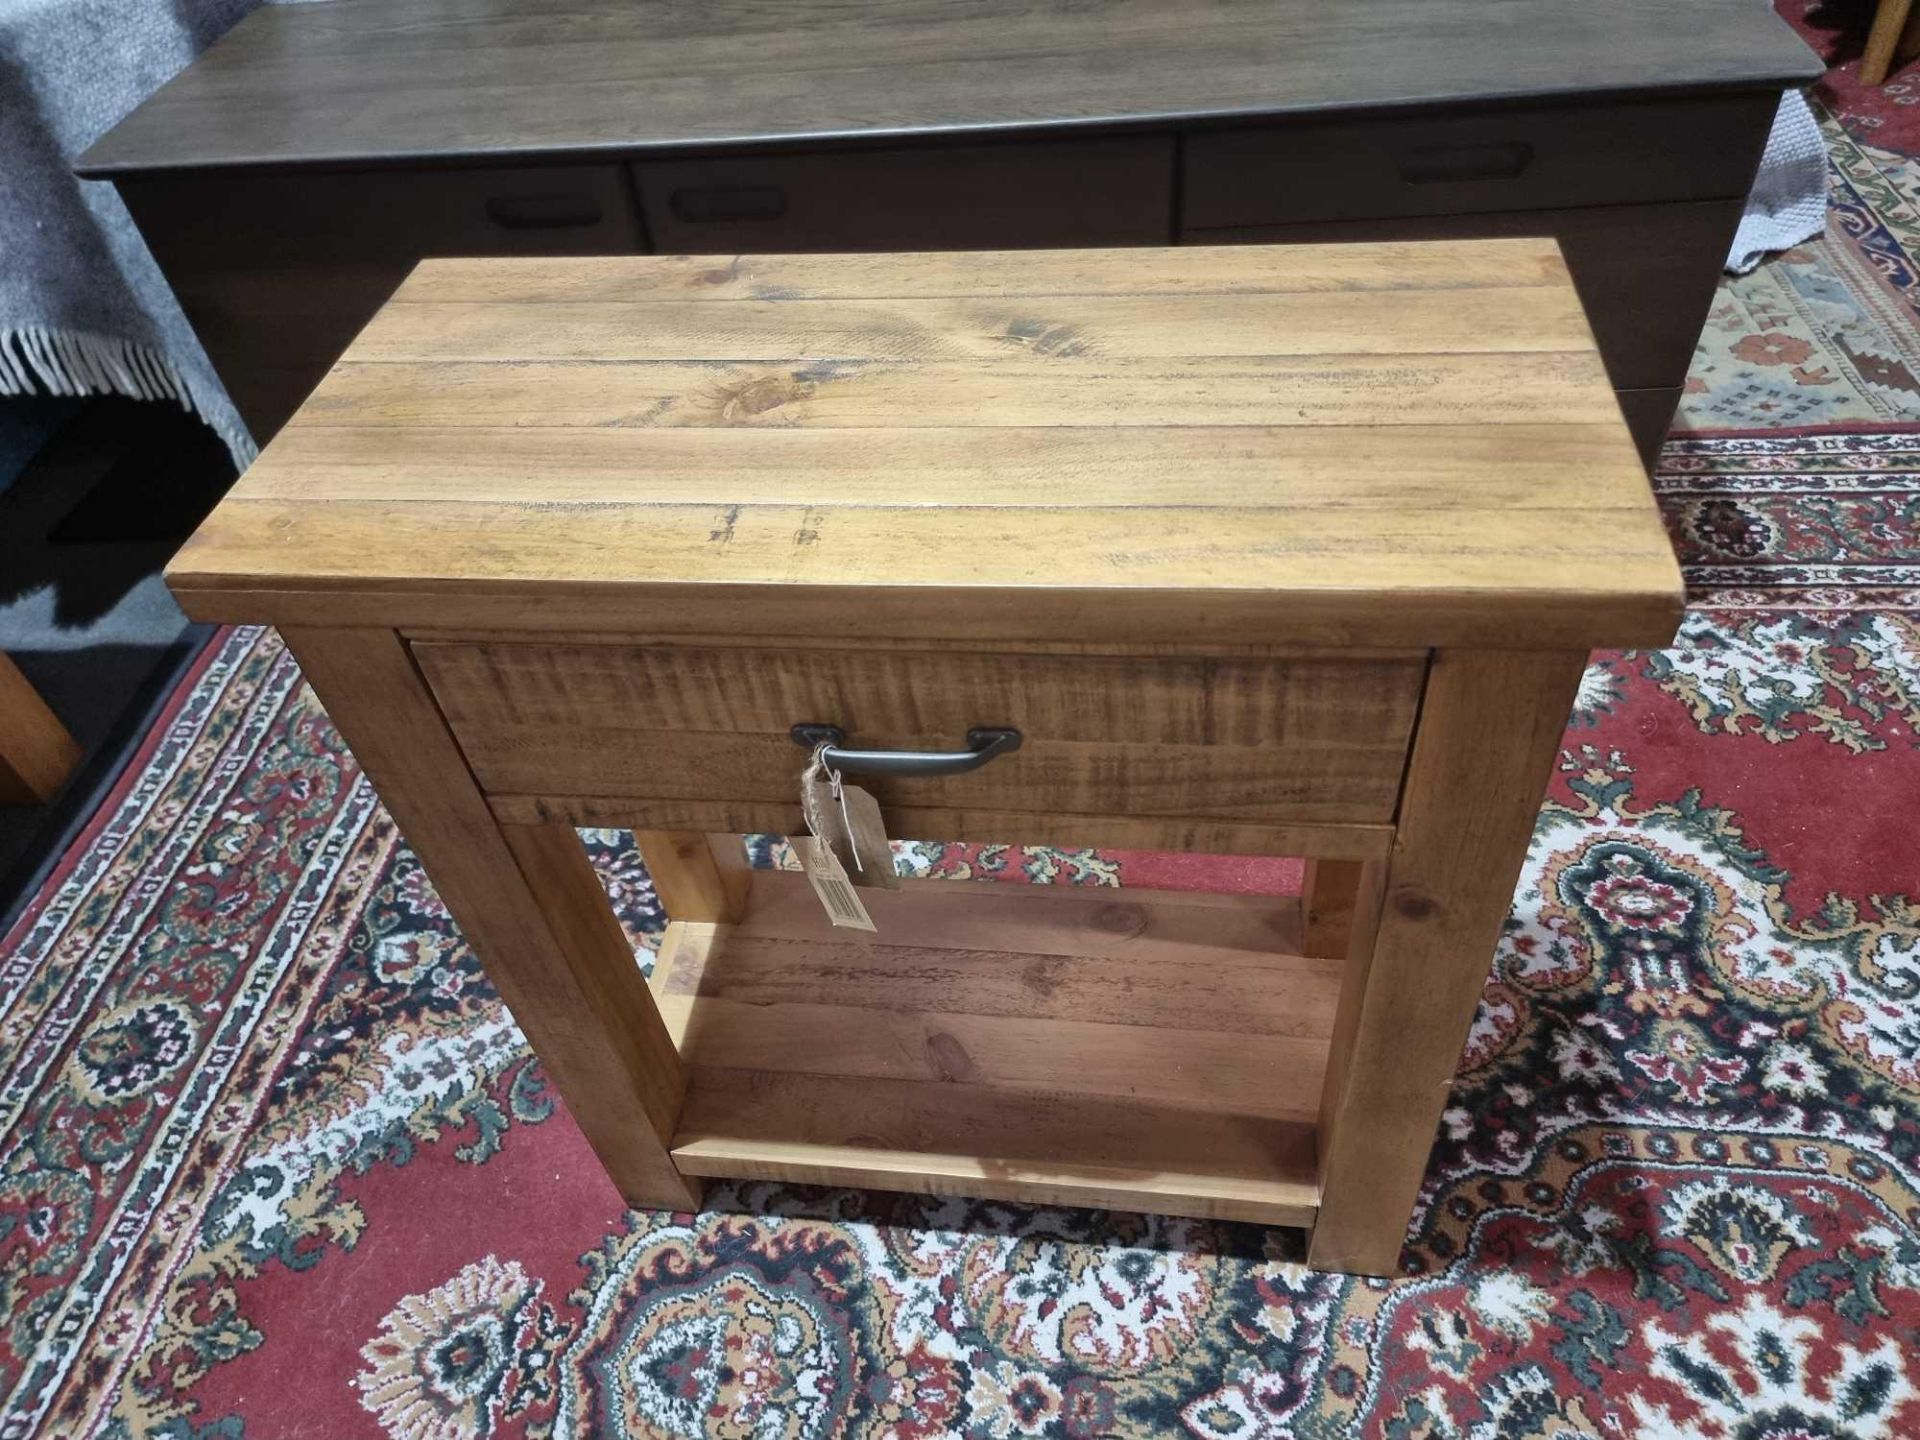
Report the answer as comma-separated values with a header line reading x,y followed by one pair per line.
x,y
848,846
868,858
830,883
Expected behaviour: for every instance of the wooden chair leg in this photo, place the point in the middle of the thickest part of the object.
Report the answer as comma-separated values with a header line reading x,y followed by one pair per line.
x,y
697,876
1908,45
1889,20
36,752
1490,729
527,899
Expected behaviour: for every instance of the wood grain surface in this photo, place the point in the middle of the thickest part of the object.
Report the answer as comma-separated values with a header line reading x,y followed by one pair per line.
x,y
1040,1149
1491,728
1144,1050
1321,739
1183,929
390,79
1180,834
1331,902
526,897
1097,443
696,876
1187,1000
1646,273
937,275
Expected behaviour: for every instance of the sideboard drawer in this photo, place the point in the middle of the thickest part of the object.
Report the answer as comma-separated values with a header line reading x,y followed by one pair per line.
x,y
1505,159
1646,273
1300,738
279,272
264,222
956,197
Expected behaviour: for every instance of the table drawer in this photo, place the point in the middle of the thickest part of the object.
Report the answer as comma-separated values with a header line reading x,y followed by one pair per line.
x,y
1506,159
1301,739
961,197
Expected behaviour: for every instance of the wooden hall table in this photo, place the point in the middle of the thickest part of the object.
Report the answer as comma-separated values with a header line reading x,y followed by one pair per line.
x,y
1293,550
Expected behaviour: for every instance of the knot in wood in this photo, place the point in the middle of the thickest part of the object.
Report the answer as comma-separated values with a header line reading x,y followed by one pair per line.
x,y
1415,904
1123,920
950,1059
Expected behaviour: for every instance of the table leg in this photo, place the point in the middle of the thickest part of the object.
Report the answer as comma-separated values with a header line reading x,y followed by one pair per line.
x,y
697,876
1490,730
527,899
1328,895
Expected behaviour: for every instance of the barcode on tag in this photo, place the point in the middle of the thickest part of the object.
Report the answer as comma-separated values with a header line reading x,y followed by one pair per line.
x,y
830,883
843,906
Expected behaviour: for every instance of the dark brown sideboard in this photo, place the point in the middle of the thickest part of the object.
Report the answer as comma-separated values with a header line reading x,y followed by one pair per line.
x,y
290,178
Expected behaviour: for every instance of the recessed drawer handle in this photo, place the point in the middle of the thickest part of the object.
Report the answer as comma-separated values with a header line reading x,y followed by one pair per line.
x,y
710,203
982,746
1442,164
544,212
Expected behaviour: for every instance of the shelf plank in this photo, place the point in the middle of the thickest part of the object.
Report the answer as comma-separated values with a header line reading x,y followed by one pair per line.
x,y
939,1139
1217,1071
1177,927
1248,995
1123,1049
1184,835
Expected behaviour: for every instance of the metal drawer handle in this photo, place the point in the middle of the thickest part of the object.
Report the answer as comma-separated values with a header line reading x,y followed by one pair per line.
x,y
982,746
569,211
717,204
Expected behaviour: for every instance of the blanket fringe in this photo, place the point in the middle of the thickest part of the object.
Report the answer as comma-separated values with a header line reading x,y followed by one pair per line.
x,y
34,358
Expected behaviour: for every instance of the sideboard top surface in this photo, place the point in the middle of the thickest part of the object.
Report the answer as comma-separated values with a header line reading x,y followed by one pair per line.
x,y
357,81
1398,445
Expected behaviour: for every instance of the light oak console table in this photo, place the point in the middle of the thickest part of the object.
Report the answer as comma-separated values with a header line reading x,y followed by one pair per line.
x,y
1262,549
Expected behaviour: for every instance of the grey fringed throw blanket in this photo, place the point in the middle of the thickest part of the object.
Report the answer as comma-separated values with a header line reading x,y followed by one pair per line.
x,y
83,307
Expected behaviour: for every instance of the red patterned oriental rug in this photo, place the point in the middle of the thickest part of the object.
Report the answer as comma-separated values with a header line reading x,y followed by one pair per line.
x,y
276,1163
1800,519
1887,114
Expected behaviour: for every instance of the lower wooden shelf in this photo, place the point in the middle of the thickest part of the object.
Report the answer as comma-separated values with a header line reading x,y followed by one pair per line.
x,y
1130,1050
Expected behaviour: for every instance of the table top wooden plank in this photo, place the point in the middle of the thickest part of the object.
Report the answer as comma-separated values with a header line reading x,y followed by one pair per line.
x,y
1326,468
958,275
953,547
1105,327
1565,387
1485,495
359,80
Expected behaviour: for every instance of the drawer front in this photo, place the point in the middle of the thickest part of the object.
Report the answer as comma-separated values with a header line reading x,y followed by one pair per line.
x,y
1254,739
1006,196
279,272
1646,273
263,222
1517,159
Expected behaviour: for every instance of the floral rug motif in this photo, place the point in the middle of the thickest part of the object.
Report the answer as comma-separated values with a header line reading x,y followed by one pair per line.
x,y
1822,519
1824,333
276,1162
